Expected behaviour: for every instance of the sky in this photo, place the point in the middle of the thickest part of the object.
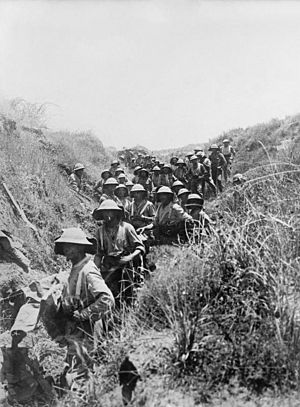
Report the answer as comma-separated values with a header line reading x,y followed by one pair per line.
x,y
161,74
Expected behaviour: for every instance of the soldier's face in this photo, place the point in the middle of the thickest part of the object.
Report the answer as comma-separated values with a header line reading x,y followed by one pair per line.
x,y
184,198
164,198
138,196
79,173
72,251
110,217
110,189
121,193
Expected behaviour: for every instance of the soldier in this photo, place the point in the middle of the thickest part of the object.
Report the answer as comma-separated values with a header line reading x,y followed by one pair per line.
x,y
105,174
136,174
194,206
181,171
183,196
228,151
119,171
142,211
144,179
195,174
170,218
218,165
187,159
114,165
129,184
207,178
75,179
109,188
73,306
173,163
147,162
155,176
140,160
176,186
166,177
122,178
119,251
121,192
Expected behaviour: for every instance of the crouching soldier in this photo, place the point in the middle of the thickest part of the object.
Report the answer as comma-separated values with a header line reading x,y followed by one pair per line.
x,y
170,219
75,179
202,221
119,252
73,306
142,211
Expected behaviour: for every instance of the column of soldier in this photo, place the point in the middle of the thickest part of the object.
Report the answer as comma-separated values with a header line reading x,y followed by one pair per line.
x,y
162,196
162,204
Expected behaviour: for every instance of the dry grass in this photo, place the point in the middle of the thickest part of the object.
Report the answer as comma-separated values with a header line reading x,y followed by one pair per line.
x,y
219,321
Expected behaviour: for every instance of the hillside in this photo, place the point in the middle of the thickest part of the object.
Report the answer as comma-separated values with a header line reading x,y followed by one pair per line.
x,y
275,140
32,164
218,323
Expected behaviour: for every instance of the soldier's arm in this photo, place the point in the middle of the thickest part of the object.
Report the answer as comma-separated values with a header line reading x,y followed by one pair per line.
x,y
181,214
103,298
102,306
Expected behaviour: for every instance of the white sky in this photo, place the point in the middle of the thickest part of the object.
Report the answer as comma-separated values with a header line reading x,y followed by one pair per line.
x,y
157,73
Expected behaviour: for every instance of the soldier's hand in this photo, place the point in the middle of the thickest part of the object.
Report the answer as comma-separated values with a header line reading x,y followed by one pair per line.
x,y
125,259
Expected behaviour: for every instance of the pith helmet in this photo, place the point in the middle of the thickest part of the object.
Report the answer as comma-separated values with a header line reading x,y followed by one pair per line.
x,y
200,153
194,199
119,169
78,167
180,161
106,171
214,147
164,190
111,181
137,169
107,205
119,187
115,162
226,141
156,168
129,183
193,157
168,166
189,154
183,191
144,170
122,175
177,184
137,188
75,236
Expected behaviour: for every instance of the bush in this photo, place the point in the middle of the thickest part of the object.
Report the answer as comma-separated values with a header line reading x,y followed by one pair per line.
x,y
226,301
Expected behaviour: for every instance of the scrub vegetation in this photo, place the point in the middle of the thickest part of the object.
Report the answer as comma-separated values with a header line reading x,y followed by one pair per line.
x,y
217,322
